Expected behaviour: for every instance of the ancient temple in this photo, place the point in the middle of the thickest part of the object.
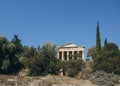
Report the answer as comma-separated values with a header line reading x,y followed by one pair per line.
x,y
70,51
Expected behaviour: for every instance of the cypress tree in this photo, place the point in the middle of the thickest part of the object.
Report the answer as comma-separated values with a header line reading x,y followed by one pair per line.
x,y
105,42
98,41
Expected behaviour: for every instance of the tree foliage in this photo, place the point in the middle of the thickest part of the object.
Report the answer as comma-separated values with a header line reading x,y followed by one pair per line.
x,y
108,58
39,61
14,56
102,78
92,52
105,42
9,63
47,62
72,67
17,42
98,41
111,47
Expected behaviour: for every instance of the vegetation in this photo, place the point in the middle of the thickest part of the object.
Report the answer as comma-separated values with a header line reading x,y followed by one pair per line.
x,y
86,71
92,52
109,59
46,62
106,62
102,78
17,42
72,67
105,42
9,63
106,58
98,41
39,61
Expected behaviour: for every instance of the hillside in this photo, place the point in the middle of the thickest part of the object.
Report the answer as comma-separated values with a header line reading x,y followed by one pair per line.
x,y
50,80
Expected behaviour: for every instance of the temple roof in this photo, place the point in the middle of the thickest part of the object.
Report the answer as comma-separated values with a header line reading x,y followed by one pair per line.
x,y
70,45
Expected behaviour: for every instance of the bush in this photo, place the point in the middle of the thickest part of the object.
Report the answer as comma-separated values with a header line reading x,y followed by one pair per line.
x,y
102,78
108,59
107,62
72,67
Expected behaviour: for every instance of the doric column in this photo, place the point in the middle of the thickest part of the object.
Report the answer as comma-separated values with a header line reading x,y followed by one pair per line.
x,y
82,55
58,55
72,54
62,55
78,56
67,55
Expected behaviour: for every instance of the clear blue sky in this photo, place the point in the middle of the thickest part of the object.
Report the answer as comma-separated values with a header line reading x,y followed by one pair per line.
x,y
60,21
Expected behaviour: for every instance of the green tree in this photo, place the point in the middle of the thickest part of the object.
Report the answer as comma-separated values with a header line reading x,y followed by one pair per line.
x,y
107,60
17,42
31,52
98,41
105,42
5,65
28,55
92,52
3,48
72,67
9,62
47,61
111,47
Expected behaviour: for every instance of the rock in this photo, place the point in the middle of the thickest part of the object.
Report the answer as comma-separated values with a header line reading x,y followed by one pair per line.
x,y
10,80
117,85
50,80
23,72
118,81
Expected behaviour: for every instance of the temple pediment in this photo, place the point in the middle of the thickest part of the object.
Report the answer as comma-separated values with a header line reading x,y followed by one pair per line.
x,y
69,45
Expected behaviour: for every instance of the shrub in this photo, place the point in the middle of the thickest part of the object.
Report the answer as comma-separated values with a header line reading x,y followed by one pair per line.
x,y
72,67
102,78
108,59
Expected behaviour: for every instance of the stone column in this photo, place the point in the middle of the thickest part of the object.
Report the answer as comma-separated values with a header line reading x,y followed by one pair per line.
x,y
82,55
58,55
72,54
67,55
78,56
62,55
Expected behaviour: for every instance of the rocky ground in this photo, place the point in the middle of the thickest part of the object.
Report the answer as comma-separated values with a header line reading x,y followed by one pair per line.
x,y
49,80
